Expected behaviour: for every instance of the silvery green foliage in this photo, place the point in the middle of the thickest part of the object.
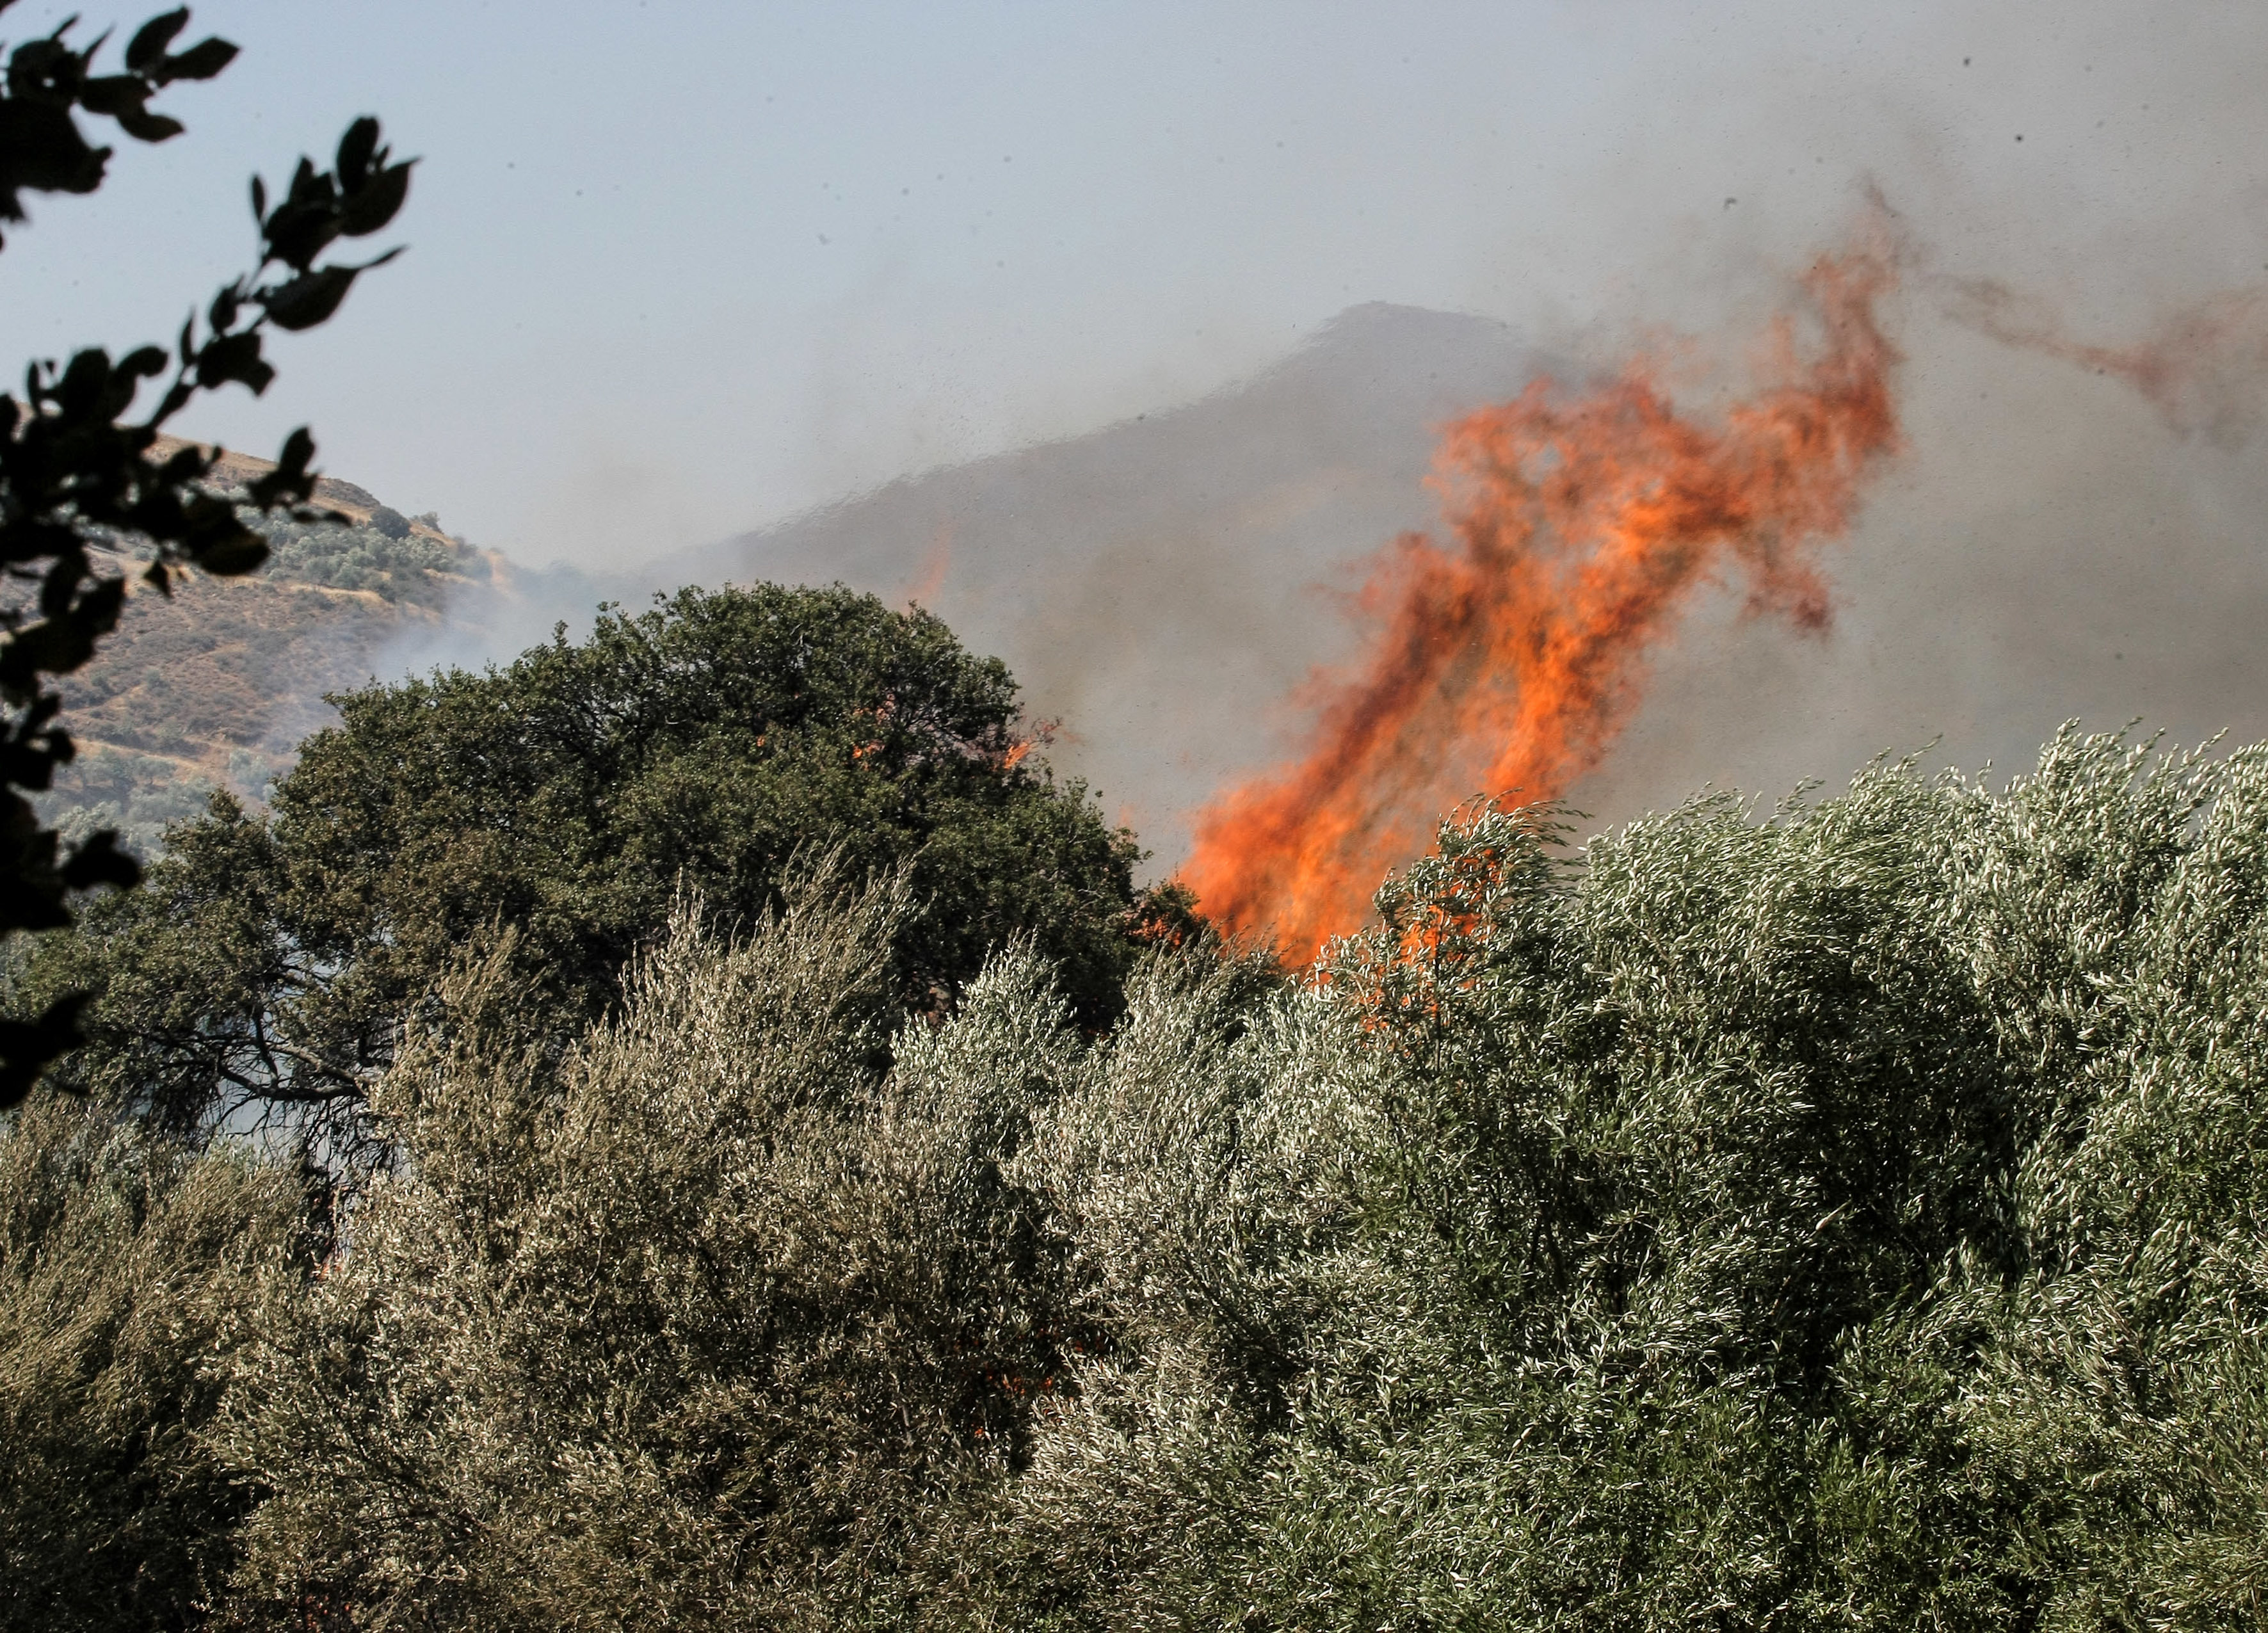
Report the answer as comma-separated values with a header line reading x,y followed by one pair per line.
x,y
1850,1219
2123,943
389,560
686,1330
1200,1166
130,1270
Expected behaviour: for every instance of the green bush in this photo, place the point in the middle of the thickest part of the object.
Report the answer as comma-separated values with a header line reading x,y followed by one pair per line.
x,y
271,961
129,1270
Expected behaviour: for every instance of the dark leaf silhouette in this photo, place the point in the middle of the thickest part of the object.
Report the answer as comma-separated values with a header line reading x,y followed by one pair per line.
x,y
309,299
147,48
200,61
76,476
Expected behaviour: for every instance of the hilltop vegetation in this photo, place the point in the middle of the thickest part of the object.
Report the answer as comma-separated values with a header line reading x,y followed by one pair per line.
x,y
759,1164
213,686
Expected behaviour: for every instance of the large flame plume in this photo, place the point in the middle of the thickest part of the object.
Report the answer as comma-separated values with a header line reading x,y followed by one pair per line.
x,y
1509,659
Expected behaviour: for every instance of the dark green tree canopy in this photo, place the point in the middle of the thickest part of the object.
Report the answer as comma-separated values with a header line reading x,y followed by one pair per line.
x,y
693,749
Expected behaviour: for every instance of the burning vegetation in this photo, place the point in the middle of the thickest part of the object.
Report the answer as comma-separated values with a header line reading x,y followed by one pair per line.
x,y
734,1148
1581,523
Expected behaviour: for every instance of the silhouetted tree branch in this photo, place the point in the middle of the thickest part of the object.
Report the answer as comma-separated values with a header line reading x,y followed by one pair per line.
x,y
76,473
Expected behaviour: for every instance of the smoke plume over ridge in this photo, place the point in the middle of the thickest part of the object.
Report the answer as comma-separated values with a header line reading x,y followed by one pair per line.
x,y
2074,528
2051,547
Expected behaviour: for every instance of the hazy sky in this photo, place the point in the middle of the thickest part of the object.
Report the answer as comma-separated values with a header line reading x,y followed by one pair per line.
x,y
678,269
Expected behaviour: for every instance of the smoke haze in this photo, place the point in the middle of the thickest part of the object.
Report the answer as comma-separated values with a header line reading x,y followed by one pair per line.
x,y
1160,586
2049,546
2073,527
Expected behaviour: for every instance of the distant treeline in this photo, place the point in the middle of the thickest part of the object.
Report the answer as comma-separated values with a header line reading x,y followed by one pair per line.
x,y
383,555
697,1128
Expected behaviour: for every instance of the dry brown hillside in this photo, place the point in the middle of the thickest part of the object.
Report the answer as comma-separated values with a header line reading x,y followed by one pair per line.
x,y
214,686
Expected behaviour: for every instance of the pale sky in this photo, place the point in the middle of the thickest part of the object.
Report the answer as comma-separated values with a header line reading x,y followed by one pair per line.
x,y
678,269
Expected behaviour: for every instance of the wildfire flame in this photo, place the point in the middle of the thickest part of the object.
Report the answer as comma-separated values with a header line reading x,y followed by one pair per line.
x,y
1034,734
1511,658
922,589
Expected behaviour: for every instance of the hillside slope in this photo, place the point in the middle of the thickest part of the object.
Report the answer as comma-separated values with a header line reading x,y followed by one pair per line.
x,y
1162,584
214,686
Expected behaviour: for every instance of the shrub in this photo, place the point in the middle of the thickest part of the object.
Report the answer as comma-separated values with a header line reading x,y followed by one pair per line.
x,y
690,1327
128,1271
1852,1219
272,959
389,523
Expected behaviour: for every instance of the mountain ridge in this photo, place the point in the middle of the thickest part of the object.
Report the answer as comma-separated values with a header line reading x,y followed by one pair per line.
x,y
213,685
1152,583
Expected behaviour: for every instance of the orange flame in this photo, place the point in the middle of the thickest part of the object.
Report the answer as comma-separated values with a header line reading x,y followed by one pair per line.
x,y
925,586
1037,735
1582,525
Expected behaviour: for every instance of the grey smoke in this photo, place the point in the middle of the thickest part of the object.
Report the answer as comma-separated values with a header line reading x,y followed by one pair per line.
x,y
2049,546
2204,367
1162,586
2074,530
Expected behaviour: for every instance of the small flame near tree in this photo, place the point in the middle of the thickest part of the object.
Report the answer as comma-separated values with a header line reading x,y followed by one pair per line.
x,y
1510,658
